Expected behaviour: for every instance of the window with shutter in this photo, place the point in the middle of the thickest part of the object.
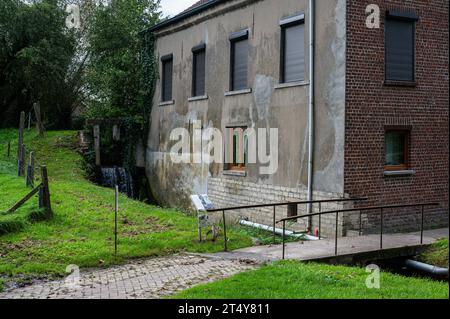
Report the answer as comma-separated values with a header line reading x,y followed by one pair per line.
x,y
199,75
167,69
239,61
294,54
293,49
400,46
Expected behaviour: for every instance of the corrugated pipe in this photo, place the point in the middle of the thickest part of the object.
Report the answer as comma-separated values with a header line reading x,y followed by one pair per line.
x,y
311,99
430,269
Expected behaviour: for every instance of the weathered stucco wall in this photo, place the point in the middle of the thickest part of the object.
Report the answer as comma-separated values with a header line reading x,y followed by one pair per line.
x,y
267,106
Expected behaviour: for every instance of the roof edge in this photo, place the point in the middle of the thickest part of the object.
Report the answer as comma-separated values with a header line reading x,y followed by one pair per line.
x,y
184,15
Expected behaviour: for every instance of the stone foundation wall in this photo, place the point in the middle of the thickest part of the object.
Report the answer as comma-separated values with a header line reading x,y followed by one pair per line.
x,y
227,192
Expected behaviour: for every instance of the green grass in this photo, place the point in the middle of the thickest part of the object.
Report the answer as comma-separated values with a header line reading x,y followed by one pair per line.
x,y
437,254
81,231
294,280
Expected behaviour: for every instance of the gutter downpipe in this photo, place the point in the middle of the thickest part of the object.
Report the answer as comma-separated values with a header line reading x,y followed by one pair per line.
x,y
311,100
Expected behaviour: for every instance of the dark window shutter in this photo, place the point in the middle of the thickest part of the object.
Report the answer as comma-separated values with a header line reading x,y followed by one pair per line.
x,y
239,65
399,50
294,53
167,80
199,73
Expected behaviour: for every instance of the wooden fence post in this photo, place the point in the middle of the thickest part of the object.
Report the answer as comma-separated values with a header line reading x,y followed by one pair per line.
x,y
97,145
9,148
21,161
37,112
45,193
30,171
29,121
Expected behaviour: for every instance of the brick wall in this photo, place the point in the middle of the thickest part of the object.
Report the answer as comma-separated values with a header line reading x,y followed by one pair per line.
x,y
227,192
370,106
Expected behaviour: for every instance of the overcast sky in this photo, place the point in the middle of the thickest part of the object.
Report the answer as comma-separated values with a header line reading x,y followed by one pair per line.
x,y
173,7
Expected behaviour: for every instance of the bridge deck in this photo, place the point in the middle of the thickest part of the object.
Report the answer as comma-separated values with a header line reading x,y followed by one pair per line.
x,y
349,248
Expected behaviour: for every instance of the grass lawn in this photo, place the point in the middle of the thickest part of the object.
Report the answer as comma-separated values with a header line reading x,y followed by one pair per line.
x,y
295,280
81,231
437,254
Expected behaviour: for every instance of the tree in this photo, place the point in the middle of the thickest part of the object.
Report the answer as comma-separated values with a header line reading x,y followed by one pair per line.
x,y
117,65
36,53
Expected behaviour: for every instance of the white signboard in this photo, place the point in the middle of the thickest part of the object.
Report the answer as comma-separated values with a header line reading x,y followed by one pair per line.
x,y
202,202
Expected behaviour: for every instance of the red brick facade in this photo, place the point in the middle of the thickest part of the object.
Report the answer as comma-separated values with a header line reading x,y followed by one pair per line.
x,y
371,106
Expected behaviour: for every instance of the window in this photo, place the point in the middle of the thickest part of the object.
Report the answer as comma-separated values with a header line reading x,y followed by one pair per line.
x,y
237,149
292,49
167,68
198,70
239,60
400,46
396,147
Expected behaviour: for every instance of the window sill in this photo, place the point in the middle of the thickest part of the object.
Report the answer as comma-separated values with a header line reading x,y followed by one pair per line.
x,y
291,84
399,173
198,98
167,103
400,83
235,173
244,91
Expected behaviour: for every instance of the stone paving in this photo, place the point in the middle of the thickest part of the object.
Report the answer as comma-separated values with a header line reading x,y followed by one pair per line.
x,y
151,278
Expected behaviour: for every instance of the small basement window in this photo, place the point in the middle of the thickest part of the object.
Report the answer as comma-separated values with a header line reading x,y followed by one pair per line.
x,y
397,150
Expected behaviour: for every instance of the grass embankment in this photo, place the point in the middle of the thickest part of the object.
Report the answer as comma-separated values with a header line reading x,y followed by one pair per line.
x,y
437,254
295,280
81,231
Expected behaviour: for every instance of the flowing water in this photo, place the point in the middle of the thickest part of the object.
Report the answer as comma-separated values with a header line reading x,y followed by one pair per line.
x,y
111,176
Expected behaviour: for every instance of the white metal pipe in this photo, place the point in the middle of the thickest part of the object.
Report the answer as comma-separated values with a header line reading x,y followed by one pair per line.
x,y
311,99
278,231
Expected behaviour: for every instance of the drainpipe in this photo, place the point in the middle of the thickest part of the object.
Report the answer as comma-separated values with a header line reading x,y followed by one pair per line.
x,y
311,108
432,270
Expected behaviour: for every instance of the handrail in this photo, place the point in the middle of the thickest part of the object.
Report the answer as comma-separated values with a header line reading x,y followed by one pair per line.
x,y
286,204
274,205
361,209
355,209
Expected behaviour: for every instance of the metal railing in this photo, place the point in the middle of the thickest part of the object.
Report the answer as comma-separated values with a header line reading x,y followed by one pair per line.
x,y
381,209
275,205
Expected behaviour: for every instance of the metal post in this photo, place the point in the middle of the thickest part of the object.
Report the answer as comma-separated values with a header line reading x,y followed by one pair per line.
x,y
360,222
320,226
116,211
224,231
320,219
9,148
274,224
284,233
336,235
381,235
421,228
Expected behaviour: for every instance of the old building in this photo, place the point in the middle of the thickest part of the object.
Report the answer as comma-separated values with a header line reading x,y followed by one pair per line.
x,y
375,94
